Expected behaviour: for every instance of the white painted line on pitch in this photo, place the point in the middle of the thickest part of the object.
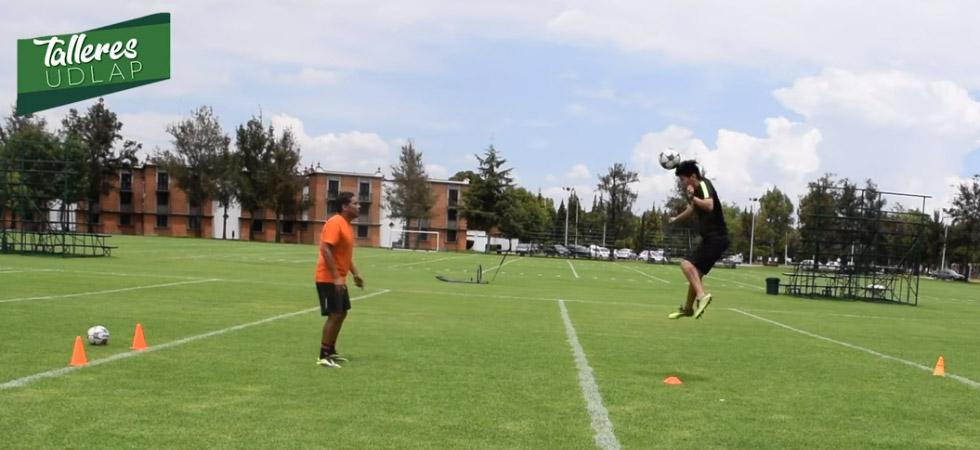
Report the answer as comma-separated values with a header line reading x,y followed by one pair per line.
x,y
808,313
95,362
143,275
643,273
739,282
512,297
573,268
504,264
959,378
111,291
605,438
426,262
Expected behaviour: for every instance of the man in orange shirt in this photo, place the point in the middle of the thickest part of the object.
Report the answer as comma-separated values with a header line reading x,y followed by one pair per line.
x,y
336,260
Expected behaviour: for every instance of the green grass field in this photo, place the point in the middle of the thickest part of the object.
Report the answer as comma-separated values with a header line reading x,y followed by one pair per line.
x,y
554,354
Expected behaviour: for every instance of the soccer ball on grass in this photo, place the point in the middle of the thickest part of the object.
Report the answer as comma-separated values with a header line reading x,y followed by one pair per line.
x,y
98,335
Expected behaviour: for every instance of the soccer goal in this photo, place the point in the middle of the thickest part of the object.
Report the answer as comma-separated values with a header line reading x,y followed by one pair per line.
x,y
428,241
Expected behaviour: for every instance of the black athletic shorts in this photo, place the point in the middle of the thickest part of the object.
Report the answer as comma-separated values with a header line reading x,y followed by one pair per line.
x,y
709,252
330,300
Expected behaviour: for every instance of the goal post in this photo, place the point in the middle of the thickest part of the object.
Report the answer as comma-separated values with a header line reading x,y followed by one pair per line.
x,y
430,241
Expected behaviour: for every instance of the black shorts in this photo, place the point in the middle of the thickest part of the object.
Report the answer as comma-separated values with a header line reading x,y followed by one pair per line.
x,y
709,252
330,300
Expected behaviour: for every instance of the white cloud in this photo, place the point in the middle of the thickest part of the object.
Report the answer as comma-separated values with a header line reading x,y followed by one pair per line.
x,y
579,172
353,151
576,109
436,171
551,178
906,133
741,165
313,76
929,38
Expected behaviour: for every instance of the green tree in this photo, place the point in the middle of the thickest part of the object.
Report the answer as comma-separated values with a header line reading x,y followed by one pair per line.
x,y
485,202
615,185
99,129
282,178
775,220
525,216
252,158
965,214
198,143
227,172
409,196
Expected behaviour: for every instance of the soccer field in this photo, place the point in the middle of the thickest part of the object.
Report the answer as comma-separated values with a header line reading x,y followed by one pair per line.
x,y
554,353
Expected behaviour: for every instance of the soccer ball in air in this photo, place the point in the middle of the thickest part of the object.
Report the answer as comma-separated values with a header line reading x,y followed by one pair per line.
x,y
670,159
98,335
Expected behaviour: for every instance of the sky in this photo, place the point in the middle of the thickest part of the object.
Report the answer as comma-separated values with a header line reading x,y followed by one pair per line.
x,y
763,93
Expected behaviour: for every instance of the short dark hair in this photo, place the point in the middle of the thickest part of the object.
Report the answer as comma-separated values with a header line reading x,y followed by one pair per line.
x,y
343,198
688,168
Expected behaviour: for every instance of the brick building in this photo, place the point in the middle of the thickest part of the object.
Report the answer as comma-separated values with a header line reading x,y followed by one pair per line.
x,y
146,201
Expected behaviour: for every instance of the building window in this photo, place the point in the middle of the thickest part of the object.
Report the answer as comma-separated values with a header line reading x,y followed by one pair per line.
x,y
163,221
163,182
126,220
332,208
126,198
287,227
93,218
126,182
364,192
451,236
362,231
451,215
453,197
192,223
423,237
258,226
333,188
163,199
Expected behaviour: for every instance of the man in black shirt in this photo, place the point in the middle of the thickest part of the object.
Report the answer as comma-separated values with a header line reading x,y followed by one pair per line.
x,y
705,204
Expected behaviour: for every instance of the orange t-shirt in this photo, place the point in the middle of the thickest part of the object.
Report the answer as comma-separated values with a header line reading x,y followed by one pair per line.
x,y
336,232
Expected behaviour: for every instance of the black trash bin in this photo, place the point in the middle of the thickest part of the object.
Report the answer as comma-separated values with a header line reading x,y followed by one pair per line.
x,y
772,286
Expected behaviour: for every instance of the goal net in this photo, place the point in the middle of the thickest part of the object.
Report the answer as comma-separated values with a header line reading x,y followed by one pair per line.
x,y
415,240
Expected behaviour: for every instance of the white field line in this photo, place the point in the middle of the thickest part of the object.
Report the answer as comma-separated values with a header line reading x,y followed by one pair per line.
x,y
56,372
504,264
512,297
144,275
110,291
736,282
808,313
425,262
605,438
643,273
959,378
573,268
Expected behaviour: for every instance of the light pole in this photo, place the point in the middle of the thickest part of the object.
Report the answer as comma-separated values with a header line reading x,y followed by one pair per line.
x,y
567,205
942,265
752,235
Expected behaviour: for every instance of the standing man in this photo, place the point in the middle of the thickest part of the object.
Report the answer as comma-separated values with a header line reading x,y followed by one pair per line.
x,y
336,259
705,204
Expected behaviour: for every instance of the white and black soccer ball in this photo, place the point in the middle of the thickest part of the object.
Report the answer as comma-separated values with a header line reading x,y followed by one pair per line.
x,y
98,335
670,159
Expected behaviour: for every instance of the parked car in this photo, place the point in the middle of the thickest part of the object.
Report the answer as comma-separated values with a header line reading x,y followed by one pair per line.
x,y
625,253
579,251
523,249
555,250
949,274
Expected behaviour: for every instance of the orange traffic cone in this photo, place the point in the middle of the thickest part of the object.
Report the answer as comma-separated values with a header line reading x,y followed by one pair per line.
x,y
940,370
78,355
139,343
672,380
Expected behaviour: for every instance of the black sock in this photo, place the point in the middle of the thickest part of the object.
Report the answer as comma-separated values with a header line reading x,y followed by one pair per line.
x,y
325,350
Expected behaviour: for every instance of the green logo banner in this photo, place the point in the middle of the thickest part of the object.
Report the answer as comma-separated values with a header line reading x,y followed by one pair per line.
x,y
57,70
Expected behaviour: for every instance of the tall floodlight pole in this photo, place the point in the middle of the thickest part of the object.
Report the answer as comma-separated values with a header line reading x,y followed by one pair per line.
x,y
567,205
752,235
